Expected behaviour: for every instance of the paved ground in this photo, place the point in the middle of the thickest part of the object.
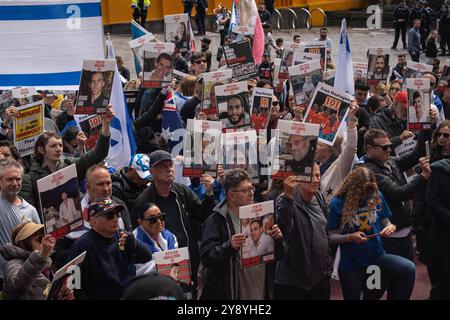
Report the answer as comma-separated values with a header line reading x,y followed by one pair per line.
x,y
360,40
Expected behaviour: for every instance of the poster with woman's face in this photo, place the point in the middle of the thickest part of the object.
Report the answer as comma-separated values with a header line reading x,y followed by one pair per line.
x,y
177,31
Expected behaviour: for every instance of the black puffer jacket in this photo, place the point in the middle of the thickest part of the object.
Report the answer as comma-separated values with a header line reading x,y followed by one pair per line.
x,y
438,202
385,120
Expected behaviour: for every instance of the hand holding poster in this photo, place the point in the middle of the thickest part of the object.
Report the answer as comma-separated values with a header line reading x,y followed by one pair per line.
x,y
201,148
175,264
137,46
304,79
295,148
240,150
407,146
418,104
239,58
177,30
378,66
91,126
28,126
210,81
416,69
158,64
317,47
261,106
233,106
328,108
95,86
256,221
360,71
59,197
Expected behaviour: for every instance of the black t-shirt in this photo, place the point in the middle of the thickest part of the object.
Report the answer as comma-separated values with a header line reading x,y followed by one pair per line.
x,y
173,221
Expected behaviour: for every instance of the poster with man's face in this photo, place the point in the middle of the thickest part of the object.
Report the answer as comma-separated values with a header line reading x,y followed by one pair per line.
x,y
418,104
295,147
304,79
201,148
59,197
91,125
210,81
233,106
287,59
158,64
95,86
137,46
416,69
262,104
378,66
360,71
177,31
256,222
317,47
328,108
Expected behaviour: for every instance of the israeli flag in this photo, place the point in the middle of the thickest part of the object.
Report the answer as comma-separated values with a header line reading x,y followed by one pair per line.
x,y
344,67
123,144
44,43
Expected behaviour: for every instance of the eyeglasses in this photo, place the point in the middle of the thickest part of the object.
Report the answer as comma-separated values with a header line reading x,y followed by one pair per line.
x,y
154,219
200,61
445,135
385,147
246,190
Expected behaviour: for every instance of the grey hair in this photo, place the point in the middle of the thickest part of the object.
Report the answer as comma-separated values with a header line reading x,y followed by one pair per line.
x,y
9,163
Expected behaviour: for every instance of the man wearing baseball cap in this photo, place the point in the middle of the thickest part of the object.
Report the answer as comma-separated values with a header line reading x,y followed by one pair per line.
x,y
392,119
110,253
131,181
182,206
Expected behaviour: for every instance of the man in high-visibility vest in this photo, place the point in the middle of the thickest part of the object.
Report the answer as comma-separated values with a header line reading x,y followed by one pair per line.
x,y
140,10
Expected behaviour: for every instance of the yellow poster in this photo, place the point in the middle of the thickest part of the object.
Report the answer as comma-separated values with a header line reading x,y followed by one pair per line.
x,y
28,126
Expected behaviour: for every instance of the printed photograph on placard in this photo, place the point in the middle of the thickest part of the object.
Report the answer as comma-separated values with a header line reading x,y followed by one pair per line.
x,y
407,146
360,71
256,221
177,31
201,148
240,150
295,148
416,69
317,47
158,64
287,60
211,80
418,104
444,81
262,104
59,197
95,86
277,81
28,126
328,108
233,105
92,127
304,79
328,77
137,45
378,66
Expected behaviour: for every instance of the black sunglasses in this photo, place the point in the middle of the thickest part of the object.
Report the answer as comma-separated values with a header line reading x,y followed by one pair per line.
x,y
445,135
153,220
385,147
109,215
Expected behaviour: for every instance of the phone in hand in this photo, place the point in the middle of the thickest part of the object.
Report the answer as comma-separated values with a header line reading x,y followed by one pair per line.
x,y
427,148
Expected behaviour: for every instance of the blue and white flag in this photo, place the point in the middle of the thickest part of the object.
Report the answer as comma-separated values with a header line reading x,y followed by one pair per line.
x,y
44,43
234,17
136,32
343,79
123,144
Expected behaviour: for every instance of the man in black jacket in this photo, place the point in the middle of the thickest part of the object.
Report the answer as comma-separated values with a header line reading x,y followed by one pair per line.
x,y
131,181
399,70
180,204
221,243
438,202
391,182
401,14
201,7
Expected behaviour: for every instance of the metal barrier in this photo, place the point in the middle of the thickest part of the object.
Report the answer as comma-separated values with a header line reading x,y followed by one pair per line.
x,y
279,18
307,20
323,14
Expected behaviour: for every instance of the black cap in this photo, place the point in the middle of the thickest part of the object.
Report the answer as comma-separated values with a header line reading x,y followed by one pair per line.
x,y
153,286
104,205
158,156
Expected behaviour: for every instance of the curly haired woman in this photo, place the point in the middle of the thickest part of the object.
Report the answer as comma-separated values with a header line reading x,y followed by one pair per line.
x,y
358,217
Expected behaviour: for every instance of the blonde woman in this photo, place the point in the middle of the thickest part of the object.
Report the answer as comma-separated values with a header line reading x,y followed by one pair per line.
x,y
358,217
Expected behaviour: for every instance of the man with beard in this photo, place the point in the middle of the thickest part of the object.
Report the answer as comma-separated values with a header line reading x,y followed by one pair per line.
x,y
379,68
236,113
298,147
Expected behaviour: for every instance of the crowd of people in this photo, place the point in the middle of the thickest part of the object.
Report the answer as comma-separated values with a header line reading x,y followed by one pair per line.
x,y
358,200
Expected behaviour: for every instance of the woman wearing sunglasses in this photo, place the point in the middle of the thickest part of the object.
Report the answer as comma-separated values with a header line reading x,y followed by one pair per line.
x,y
27,270
440,149
151,230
